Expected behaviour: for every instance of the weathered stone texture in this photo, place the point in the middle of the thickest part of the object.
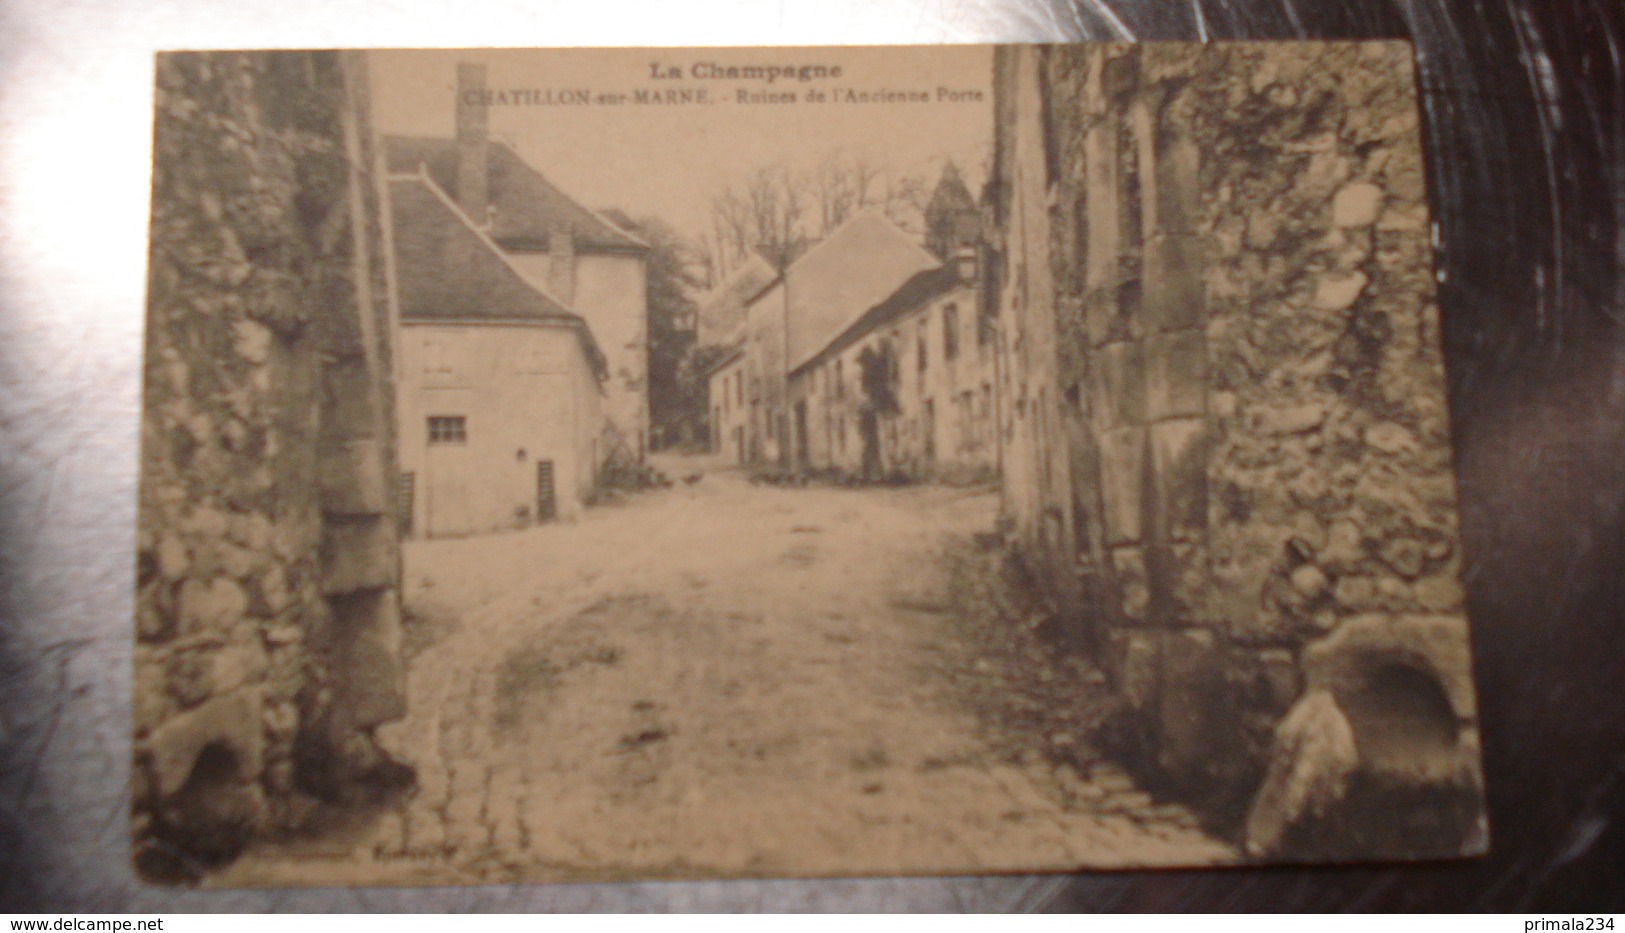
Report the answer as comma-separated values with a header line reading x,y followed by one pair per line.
x,y
1238,243
266,243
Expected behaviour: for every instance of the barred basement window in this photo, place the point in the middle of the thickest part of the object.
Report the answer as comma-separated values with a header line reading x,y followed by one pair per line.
x,y
448,429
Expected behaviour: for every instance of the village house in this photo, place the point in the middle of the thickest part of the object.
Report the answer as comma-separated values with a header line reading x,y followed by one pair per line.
x,y
819,296
725,392
501,387
907,389
722,310
1226,455
580,257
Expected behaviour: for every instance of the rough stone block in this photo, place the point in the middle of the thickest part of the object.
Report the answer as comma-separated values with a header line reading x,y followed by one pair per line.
x,y
150,700
1278,674
1197,715
357,554
1356,205
211,606
1174,296
236,665
1405,556
251,530
1122,475
1338,291
1237,599
231,721
1117,374
1139,670
367,650
205,522
268,594
1405,686
1180,451
1439,593
1179,193
354,478
1293,419
1189,581
173,558
240,563
1367,650
253,341
1132,582
1176,375
1106,319
1312,762
347,401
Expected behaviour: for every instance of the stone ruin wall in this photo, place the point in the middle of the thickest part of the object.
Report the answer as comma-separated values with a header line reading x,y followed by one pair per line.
x,y
268,610
1247,342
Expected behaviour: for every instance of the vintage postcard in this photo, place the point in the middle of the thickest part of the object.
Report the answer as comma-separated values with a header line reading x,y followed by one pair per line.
x,y
769,462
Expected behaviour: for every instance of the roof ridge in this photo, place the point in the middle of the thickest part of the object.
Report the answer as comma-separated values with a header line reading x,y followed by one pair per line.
x,y
574,201
870,211
529,203
485,239
949,280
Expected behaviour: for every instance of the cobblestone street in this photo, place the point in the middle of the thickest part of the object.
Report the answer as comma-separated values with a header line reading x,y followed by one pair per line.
x,y
718,679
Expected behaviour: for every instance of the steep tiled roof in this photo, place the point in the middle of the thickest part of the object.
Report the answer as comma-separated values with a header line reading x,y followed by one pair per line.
x,y
854,269
449,271
723,361
527,207
919,289
722,310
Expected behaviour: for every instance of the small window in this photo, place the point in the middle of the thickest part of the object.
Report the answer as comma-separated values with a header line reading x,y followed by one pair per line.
x,y
448,429
950,332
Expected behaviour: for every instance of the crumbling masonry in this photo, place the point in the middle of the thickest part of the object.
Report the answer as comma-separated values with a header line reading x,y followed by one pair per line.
x,y
1226,450
268,611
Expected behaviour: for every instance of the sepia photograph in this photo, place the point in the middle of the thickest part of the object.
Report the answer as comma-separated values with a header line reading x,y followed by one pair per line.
x,y
616,464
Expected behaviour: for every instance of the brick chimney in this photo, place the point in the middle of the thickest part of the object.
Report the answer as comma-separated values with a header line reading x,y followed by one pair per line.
x,y
561,265
473,143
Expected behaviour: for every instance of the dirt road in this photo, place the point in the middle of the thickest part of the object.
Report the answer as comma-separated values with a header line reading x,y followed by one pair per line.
x,y
721,679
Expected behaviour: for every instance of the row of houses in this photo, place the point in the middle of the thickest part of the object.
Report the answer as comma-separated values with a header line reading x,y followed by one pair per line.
x,y
867,356
523,359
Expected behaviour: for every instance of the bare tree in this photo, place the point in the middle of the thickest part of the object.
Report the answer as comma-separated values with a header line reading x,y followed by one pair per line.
x,y
780,213
840,187
904,200
776,208
765,215
731,231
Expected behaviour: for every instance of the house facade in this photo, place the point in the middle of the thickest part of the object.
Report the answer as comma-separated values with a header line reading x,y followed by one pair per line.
x,y
581,258
728,414
818,297
721,311
502,406
907,390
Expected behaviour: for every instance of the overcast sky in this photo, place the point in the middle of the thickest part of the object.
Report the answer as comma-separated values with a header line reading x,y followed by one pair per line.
x,y
670,161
